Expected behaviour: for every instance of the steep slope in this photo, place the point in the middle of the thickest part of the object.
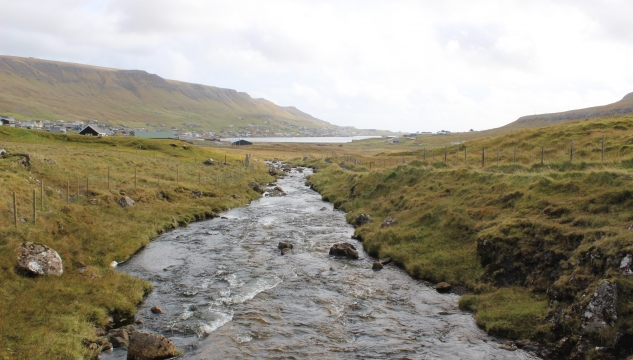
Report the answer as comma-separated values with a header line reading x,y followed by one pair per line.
x,y
33,88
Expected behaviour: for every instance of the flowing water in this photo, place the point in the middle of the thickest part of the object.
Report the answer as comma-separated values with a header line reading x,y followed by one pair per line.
x,y
226,291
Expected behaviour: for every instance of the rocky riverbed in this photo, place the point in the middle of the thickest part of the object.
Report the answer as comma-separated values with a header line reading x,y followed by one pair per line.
x,y
226,291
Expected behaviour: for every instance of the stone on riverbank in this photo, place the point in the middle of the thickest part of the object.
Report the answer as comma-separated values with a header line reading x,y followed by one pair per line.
x,y
363,219
38,259
388,222
443,287
344,249
377,266
156,309
126,201
601,311
146,346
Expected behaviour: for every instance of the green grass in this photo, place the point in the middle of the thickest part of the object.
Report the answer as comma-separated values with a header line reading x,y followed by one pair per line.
x,y
54,317
527,240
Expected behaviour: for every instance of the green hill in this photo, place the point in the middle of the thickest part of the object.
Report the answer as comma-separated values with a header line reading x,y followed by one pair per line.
x,y
50,90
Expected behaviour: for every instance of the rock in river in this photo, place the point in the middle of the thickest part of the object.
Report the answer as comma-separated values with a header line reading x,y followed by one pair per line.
x,y
377,266
156,310
284,245
146,346
38,259
443,287
344,249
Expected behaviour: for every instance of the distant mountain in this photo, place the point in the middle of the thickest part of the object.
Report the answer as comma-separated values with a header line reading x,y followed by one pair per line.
x,y
41,89
622,107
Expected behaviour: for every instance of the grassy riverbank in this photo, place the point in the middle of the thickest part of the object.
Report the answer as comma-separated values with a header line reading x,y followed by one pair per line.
x,y
55,317
531,242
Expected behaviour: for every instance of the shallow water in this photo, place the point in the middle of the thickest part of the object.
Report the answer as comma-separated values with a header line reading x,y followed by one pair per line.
x,y
226,291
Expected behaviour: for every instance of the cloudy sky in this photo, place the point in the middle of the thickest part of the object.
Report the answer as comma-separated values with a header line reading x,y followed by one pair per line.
x,y
399,65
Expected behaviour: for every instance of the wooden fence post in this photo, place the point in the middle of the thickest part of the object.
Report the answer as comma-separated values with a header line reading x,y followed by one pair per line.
x,y
34,212
542,155
602,148
67,191
135,178
176,174
42,195
497,156
108,178
87,192
571,152
15,211
515,154
424,154
445,153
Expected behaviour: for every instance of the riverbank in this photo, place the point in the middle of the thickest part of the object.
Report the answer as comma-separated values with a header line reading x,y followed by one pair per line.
x,y
537,247
83,181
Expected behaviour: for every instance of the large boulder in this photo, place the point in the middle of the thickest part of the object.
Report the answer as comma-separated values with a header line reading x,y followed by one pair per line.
x,y
601,311
146,346
344,249
126,201
38,259
363,219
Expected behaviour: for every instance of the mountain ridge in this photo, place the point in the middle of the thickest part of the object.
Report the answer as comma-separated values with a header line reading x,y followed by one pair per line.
x,y
53,90
621,107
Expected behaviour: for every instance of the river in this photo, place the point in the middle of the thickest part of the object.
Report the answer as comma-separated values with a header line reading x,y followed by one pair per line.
x,y
227,293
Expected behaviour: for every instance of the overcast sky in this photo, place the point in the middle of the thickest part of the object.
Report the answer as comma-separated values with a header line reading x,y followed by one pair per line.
x,y
397,65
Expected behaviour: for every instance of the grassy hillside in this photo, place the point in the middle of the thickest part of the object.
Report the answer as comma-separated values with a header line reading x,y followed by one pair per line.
x,y
618,108
530,242
55,317
41,89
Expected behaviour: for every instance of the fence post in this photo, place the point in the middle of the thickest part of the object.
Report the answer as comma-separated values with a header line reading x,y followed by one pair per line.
x,y
42,195
176,174
424,154
135,178
198,178
67,191
602,148
571,152
108,178
87,188
542,155
15,211
465,163
34,212
445,153
515,154
497,156
403,159
483,159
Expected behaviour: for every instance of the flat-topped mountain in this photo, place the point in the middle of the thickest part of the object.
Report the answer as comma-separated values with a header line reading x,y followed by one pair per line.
x,y
622,107
41,89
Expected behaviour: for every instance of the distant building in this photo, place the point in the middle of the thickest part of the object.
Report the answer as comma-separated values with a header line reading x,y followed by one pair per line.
x,y
154,134
241,142
7,121
93,130
56,129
